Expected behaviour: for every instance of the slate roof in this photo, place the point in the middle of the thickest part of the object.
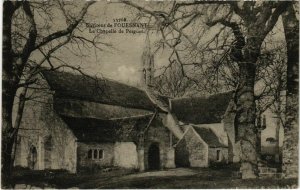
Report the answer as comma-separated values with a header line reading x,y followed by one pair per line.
x,y
96,130
201,110
92,130
68,85
209,137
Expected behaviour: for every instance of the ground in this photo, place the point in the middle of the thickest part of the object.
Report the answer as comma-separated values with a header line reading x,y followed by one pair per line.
x,y
199,178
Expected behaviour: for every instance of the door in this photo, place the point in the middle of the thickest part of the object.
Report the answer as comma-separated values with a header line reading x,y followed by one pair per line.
x,y
153,157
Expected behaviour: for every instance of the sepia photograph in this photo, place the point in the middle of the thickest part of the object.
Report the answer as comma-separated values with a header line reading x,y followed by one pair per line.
x,y
149,94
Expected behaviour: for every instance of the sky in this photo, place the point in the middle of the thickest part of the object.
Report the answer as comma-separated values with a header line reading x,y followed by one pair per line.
x,y
122,61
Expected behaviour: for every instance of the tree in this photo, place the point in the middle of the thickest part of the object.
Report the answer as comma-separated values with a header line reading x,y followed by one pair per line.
x,y
30,39
290,146
249,23
172,83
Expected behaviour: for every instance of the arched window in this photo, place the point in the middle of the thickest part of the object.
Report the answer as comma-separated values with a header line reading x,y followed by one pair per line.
x,y
95,154
32,157
218,155
101,154
90,154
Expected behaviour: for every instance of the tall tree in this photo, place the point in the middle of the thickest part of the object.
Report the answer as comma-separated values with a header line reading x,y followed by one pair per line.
x,y
291,130
28,28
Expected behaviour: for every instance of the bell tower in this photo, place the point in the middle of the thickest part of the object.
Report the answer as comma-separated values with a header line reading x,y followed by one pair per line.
x,y
148,64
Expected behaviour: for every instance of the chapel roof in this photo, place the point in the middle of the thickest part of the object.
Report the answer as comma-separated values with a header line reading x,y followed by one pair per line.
x,y
81,87
201,110
209,136
92,130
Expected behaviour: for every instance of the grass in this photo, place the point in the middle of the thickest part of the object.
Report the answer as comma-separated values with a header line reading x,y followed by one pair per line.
x,y
204,178
63,179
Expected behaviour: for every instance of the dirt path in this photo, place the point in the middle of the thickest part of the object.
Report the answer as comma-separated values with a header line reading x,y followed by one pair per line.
x,y
128,179
170,172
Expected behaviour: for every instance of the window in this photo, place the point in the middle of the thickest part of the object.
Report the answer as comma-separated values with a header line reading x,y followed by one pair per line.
x,y
95,154
264,121
101,155
90,154
218,154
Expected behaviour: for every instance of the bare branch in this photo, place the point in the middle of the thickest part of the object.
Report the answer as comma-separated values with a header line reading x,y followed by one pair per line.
x,y
69,29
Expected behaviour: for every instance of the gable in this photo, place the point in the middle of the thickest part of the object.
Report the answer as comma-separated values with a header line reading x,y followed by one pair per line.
x,y
191,132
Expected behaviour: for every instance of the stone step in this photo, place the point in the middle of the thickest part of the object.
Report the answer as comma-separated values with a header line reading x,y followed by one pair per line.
x,y
270,175
267,170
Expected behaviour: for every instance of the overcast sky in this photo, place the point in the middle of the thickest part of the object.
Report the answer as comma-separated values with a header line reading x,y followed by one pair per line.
x,y
122,62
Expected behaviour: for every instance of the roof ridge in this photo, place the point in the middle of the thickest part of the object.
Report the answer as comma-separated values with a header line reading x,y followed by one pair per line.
x,y
95,77
96,89
203,96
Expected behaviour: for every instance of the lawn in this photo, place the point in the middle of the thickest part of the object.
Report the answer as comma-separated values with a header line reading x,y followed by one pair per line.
x,y
202,178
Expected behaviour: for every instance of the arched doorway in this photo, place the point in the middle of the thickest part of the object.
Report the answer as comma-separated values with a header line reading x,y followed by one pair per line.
x,y
153,157
32,157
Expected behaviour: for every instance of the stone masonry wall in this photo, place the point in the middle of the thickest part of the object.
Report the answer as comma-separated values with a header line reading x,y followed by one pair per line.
x,y
125,155
85,162
158,133
212,155
43,129
191,151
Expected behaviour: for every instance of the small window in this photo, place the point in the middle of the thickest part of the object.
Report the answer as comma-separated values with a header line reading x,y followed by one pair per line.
x,y
218,154
101,154
90,154
264,121
95,154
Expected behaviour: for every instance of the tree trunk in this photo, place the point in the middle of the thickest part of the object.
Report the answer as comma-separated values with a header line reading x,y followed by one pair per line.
x,y
245,53
290,143
258,134
9,88
245,121
8,134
